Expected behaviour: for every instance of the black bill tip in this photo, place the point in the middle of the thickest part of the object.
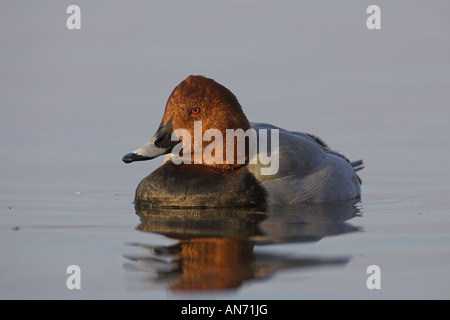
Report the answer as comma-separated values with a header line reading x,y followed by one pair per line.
x,y
130,157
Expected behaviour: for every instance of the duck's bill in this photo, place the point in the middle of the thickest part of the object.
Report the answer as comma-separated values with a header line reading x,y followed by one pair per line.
x,y
161,143
131,157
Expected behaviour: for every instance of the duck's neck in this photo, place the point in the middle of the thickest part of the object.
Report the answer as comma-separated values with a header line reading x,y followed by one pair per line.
x,y
214,167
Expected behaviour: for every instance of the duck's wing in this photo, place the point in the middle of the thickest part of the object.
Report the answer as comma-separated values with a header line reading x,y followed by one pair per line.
x,y
295,153
299,152
356,165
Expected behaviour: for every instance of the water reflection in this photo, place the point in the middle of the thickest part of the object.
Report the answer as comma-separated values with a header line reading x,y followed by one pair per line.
x,y
215,248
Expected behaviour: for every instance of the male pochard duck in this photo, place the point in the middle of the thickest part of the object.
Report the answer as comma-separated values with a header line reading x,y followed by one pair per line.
x,y
306,169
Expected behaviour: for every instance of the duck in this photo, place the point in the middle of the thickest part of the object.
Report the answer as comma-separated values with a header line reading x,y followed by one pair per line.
x,y
224,172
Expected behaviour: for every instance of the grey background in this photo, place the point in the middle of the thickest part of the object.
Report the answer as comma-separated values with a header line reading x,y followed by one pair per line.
x,y
299,65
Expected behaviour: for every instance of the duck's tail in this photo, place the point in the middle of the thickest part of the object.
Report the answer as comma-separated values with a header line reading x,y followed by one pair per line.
x,y
357,165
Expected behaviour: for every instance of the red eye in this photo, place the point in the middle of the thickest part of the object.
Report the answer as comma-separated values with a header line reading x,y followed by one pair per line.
x,y
195,110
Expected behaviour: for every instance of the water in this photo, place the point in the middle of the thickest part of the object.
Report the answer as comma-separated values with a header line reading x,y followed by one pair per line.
x,y
74,102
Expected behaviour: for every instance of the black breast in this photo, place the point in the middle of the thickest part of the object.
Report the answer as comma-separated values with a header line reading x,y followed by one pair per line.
x,y
190,185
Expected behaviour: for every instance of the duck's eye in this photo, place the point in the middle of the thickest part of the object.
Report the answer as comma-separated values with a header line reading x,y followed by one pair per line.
x,y
195,110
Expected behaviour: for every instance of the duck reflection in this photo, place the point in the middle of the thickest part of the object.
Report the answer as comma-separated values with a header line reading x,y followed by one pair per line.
x,y
215,248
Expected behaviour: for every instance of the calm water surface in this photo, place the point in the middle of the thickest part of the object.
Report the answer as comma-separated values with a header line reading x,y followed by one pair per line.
x,y
73,103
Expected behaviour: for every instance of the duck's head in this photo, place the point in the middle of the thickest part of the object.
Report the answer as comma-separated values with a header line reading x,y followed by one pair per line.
x,y
195,99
